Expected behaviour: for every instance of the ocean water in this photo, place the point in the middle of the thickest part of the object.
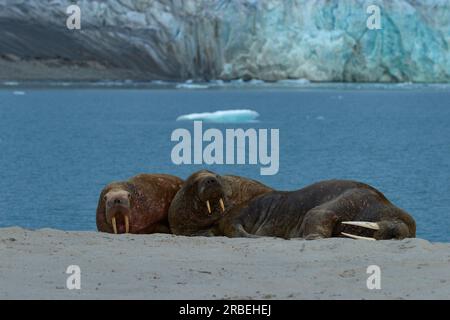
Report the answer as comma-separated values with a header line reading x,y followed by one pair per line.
x,y
60,146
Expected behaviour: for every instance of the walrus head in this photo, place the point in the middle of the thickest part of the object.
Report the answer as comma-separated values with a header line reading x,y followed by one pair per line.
x,y
209,190
118,210
199,204
139,205
206,198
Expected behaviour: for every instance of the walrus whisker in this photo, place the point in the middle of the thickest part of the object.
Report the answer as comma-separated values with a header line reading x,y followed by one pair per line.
x,y
208,206
363,224
222,205
113,221
357,237
127,225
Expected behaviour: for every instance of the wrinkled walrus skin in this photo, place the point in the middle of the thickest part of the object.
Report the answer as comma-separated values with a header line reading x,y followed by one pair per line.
x,y
203,199
321,210
139,205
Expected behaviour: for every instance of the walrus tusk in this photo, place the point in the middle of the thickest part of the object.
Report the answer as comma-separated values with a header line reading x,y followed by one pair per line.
x,y
113,221
357,237
364,224
222,205
209,207
127,225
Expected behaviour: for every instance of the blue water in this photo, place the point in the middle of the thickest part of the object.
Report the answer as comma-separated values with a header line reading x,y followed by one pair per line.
x,y
59,147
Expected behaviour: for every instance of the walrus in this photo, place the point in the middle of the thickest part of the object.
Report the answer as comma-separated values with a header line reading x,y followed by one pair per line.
x,y
203,199
333,208
139,205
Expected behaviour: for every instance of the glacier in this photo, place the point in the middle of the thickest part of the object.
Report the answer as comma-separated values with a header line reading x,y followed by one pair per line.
x,y
270,40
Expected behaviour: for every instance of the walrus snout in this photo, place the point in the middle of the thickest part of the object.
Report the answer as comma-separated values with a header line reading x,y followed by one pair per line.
x,y
118,198
209,187
118,201
118,210
210,191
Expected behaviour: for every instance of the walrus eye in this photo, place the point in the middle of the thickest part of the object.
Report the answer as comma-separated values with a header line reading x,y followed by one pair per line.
x,y
129,196
105,198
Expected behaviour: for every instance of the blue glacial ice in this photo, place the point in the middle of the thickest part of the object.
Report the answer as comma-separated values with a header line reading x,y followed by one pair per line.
x,y
270,40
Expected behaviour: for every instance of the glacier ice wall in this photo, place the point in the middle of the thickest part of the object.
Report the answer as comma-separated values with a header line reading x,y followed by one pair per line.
x,y
319,40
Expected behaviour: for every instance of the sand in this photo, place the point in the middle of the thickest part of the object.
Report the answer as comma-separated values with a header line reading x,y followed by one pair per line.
x,y
33,266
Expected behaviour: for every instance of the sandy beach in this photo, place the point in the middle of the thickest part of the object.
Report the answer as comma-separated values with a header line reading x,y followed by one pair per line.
x,y
33,266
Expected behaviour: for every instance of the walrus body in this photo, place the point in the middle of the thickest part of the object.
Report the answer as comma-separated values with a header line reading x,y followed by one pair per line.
x,y
139,205
325,209
203,199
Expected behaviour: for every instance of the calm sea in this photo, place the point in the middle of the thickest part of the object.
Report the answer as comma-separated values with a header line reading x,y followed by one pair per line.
x,y
60,146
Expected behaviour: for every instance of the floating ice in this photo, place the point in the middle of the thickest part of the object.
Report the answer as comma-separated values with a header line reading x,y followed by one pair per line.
x,y
293,82
223,116
160,82
10,83
19,93
191,86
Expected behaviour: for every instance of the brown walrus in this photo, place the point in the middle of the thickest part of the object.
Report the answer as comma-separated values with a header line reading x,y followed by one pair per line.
x,y
203,199
139,205
333,208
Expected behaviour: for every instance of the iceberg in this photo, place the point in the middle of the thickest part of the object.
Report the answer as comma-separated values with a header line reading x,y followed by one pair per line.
x,y
11,83
191,86
222,116
293,82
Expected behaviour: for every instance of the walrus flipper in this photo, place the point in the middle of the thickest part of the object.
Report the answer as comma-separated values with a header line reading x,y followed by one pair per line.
x,y
204,233
319,223
236,230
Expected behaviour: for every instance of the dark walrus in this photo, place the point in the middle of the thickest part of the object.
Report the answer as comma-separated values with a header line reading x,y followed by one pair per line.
x,y
325,209
139,205
203,199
